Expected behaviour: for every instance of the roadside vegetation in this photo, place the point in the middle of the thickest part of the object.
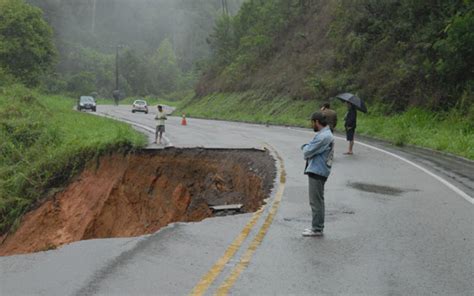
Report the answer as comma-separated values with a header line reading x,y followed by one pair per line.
x,y
443,131
400,53
45,143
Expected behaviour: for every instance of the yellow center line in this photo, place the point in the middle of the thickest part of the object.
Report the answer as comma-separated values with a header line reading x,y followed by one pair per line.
x,y
217,268
245,260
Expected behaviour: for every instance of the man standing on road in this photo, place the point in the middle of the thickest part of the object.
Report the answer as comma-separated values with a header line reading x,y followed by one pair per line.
x,y
331,116
318,155
160,128
350,123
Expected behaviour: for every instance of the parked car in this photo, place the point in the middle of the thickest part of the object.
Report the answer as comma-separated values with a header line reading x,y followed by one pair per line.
x,y
86,102
140,106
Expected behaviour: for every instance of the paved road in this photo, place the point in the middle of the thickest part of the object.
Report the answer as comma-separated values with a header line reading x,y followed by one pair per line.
x,y
412,235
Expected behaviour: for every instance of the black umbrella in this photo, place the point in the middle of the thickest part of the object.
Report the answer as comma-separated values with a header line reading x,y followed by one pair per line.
x,y
354,100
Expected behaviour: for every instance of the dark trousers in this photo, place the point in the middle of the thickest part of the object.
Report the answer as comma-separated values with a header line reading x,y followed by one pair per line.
x,y
316,201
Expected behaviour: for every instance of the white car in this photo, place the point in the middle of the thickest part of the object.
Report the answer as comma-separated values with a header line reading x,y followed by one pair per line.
x,y
140,106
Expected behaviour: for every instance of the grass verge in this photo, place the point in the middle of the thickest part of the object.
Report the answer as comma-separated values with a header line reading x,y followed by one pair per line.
x,y
445,131
45,143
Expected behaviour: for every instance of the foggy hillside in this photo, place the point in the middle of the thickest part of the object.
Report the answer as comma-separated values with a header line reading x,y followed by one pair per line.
x,y
400,53
139,26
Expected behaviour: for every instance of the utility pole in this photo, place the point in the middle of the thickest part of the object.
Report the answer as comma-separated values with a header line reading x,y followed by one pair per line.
x,y
225,7
116,68
116,92
94,5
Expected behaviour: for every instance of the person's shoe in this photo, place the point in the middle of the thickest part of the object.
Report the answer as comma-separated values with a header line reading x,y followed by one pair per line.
x,y
309,232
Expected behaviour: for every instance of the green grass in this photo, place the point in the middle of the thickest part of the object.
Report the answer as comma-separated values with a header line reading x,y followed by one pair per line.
x,y
45,143
249,107
446,131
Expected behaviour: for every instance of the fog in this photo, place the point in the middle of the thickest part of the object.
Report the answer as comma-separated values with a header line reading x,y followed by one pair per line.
x,y
138,24
161,42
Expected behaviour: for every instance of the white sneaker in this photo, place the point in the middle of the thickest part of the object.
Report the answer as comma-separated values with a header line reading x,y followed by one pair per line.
x,y
309,232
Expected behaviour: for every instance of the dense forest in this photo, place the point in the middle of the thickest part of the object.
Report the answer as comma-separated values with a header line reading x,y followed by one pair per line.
x,y
402,53
159,43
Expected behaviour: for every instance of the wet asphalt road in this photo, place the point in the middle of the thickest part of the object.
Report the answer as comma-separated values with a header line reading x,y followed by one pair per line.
x,y
391,229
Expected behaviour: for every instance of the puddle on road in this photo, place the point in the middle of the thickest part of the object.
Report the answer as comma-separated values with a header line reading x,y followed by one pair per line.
x,y
379,189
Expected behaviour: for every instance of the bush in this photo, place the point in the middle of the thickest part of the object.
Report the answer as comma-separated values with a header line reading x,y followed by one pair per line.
x,y
45,143
26,43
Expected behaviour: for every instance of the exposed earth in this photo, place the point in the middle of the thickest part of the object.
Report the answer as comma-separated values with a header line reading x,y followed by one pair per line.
x,y
129,195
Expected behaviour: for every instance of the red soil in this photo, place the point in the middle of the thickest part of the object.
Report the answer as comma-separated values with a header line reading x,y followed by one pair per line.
x,y
136,194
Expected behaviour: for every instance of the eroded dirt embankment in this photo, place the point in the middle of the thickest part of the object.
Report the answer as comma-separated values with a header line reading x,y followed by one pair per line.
x,y
135,194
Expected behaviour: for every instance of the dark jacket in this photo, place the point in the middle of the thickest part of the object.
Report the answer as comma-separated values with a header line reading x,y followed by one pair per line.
x,y
350,120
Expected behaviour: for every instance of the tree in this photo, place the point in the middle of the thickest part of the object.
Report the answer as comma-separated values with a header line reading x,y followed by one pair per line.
x,y
135,72
26,46
456,50
223,41
82,83
165,68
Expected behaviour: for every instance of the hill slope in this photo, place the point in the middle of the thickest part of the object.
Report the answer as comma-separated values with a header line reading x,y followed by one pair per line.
x,y
276,61
397,52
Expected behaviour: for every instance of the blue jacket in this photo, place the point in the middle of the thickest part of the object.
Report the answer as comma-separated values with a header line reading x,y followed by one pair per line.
x,y
319,153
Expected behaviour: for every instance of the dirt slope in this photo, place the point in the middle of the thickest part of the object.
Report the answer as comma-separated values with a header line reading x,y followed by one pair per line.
x,y
135,194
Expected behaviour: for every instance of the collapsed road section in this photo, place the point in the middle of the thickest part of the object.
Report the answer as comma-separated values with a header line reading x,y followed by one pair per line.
x,y
138,193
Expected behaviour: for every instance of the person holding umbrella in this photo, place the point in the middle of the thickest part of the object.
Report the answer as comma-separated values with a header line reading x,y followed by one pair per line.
x,y
350,124
354,103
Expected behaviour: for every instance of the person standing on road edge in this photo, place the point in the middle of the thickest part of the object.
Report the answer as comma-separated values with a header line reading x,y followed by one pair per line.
x,y
318,154
350,124
160,128
331,116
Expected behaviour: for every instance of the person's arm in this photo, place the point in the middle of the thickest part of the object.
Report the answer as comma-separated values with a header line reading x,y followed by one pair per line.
x,y
316,146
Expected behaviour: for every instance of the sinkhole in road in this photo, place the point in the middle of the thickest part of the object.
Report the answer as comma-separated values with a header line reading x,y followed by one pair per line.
x,y
138,193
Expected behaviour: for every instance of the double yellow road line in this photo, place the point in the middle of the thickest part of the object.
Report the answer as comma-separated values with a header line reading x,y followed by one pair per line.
x,y
244,261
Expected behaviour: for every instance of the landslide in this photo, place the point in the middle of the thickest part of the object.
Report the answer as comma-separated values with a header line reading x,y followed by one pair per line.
x,y
123,195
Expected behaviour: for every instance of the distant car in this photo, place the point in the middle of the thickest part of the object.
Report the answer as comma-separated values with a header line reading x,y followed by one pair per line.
x,y
140,106
87,103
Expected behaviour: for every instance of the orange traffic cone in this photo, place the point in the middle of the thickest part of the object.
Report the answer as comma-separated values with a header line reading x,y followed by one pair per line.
x,y
183,121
